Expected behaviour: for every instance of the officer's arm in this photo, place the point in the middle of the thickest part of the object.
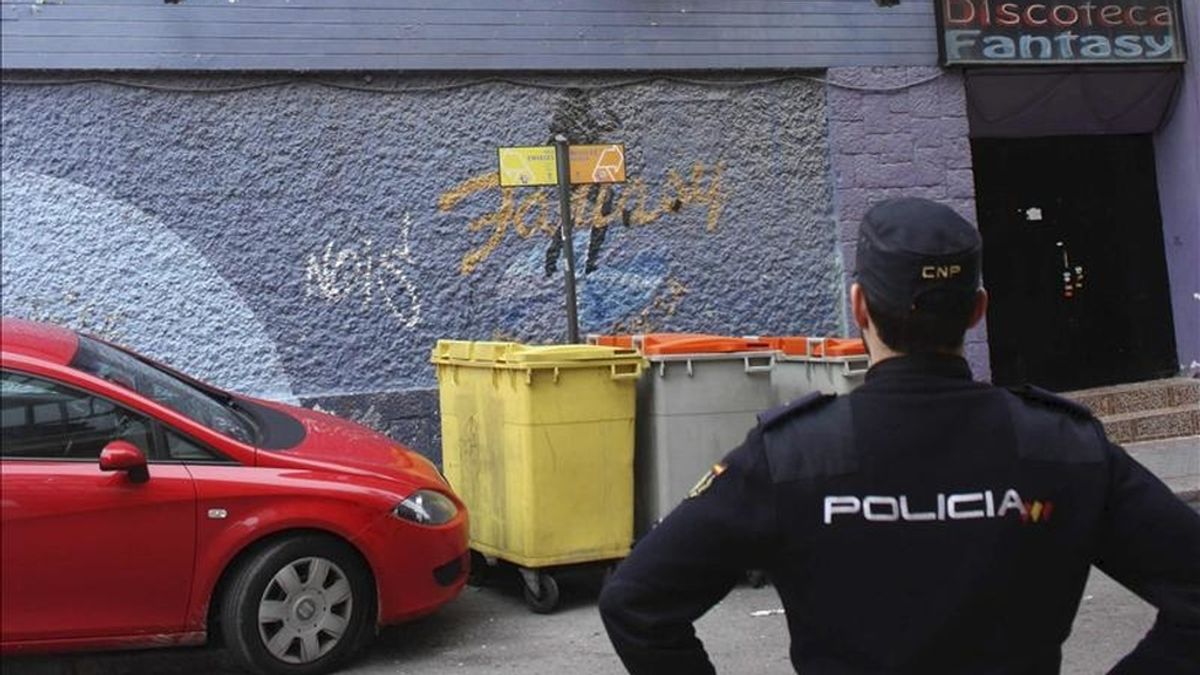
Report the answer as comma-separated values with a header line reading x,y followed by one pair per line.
x,y
688,564
1151,544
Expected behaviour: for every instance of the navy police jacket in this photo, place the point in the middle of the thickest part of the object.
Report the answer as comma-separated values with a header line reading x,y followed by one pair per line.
x,y
924,523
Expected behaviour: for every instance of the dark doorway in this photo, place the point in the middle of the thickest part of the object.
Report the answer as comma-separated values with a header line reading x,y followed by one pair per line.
x,y
1073,260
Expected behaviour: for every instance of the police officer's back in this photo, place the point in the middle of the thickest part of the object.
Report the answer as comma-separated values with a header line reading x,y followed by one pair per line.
x,y
924,523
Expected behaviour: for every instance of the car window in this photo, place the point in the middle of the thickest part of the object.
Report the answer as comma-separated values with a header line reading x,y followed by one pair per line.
x,y
216,410
43,420
182,449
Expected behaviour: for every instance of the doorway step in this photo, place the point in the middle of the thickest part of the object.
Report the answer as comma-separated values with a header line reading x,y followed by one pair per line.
x,y
1145,411
1158,422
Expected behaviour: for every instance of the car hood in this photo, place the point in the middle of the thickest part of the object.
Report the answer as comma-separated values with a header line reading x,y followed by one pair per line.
x,y
292,431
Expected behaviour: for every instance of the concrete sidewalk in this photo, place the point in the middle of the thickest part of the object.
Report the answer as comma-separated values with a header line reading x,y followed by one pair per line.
x,y
1174,460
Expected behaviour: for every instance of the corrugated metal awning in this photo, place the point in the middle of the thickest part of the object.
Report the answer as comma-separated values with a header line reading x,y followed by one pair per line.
x,y
456,35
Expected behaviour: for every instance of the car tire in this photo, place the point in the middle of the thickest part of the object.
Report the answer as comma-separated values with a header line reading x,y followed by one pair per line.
x,y
302,605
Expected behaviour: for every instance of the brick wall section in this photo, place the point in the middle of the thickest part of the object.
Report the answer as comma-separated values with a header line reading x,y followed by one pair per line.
x,y
891,142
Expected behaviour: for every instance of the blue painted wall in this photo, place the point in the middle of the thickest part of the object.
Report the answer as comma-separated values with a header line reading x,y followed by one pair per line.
x,y
1177,154
312,243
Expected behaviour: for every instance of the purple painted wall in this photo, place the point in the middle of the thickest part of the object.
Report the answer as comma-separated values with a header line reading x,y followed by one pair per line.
x,y
908,141
1177,151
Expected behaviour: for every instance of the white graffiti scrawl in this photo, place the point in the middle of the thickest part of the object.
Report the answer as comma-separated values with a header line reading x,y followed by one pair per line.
x,y
367,273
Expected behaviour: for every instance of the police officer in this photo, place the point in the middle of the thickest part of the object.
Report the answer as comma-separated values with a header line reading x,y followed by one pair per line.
x,y
924,523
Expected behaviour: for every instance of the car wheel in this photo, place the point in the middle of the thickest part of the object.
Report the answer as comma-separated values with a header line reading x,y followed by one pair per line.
x,y
300,606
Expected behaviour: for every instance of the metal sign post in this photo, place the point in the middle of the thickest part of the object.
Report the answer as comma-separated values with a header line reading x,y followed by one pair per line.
x,y
566,231
562,165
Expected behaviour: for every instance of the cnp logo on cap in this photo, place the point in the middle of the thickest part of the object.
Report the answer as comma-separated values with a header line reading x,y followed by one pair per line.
x,y
910,247
940,271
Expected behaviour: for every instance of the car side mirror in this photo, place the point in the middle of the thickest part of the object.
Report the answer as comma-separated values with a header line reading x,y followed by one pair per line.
x,y
125,456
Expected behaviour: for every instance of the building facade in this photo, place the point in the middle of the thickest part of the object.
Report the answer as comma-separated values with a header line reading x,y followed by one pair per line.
x,y
298,199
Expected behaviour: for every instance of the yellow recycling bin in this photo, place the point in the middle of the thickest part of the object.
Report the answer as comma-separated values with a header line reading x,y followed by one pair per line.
x,y
538,442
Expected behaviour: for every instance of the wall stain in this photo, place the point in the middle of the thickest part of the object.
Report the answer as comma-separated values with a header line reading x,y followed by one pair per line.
x,y
372,275
372,417
527,211
651,317
80,314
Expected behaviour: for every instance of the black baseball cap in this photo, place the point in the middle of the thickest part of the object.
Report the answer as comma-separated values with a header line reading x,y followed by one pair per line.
x,y
914,254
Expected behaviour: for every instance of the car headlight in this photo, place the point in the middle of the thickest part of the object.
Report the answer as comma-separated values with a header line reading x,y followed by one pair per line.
x,y
426,507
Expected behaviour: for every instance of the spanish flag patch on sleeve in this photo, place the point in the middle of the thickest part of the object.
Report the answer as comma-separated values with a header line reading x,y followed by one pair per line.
x,y
706,481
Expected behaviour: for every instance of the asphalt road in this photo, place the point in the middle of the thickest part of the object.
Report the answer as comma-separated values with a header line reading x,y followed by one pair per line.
x,y
490,631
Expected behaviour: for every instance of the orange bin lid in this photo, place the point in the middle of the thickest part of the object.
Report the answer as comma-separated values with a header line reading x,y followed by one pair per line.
x,y
631,341
669,344
792,345
844,347
799,345
622,341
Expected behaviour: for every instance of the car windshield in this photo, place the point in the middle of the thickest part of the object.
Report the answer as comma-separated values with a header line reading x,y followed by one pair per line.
x,y
212,408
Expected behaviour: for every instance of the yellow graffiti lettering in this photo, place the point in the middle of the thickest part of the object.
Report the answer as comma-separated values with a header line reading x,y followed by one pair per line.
x,y
694,191
484,181
598,217
639,214
536,211
539,204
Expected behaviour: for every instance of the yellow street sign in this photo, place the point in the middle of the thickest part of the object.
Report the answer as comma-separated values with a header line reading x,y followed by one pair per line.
x,y
528,165
597,164
535,165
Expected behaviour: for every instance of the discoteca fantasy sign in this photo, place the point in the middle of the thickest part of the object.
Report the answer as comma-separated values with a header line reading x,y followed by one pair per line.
x,y
999,32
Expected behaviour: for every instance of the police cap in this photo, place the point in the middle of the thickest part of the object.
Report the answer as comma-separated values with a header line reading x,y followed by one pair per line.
x,y
917,254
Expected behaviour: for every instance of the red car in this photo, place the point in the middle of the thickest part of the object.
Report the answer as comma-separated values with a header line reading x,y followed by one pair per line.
x,y
142,508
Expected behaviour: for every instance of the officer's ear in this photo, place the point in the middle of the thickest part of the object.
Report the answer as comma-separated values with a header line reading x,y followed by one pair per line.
x,y
858,307
980,309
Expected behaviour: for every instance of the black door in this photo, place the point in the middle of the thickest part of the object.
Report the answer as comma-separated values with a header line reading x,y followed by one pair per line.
x,y
1073,260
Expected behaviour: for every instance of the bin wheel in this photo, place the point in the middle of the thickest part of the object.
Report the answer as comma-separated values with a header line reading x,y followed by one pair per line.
x,y
546,599
609,572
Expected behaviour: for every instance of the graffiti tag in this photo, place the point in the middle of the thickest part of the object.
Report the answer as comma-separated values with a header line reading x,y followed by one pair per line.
x,y
368,274
531,211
